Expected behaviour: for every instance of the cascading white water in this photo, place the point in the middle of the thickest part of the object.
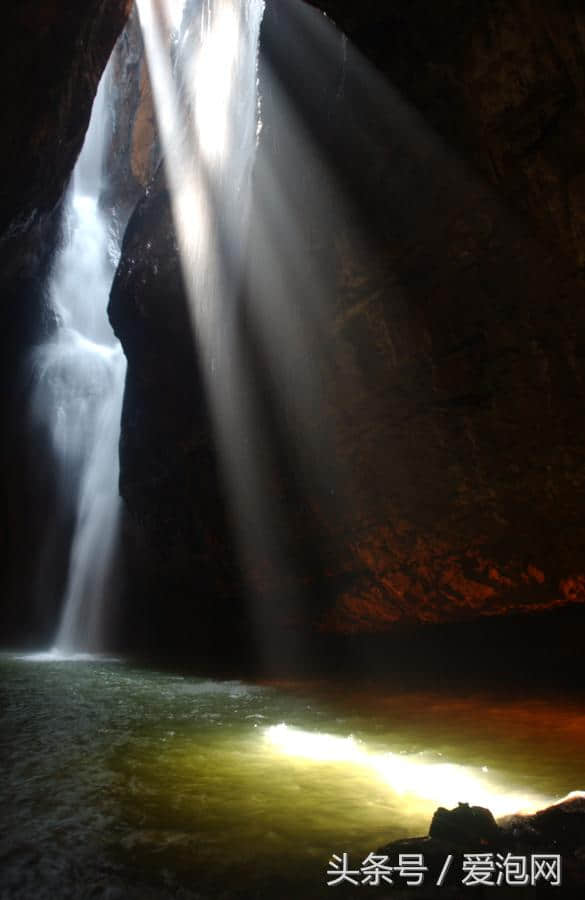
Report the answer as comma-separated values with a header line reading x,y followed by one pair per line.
x,y
209,144
79,386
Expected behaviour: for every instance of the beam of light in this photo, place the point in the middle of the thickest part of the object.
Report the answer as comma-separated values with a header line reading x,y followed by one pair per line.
x,y
291,306
199,121
407,775
208,134
207,118
188,195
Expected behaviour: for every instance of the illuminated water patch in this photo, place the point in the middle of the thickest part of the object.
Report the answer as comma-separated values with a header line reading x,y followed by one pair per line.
x,y
413,776
56,655
123,775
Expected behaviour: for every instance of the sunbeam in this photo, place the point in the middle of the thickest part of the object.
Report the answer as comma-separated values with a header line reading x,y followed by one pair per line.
x,y
271,232
209,133
413,776
262,295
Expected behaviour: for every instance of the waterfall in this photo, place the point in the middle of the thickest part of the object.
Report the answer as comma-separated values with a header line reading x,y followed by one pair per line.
x,y
79,383
209,141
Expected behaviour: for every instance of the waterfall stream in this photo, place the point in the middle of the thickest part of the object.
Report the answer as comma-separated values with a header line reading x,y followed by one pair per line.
x,y
79,385
79,372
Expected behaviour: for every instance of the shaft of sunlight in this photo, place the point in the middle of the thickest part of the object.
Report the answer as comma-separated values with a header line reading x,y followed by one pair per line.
x,y
407,774
208,113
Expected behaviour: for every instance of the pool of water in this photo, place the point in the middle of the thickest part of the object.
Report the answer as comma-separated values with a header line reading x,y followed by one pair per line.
x,y
124,782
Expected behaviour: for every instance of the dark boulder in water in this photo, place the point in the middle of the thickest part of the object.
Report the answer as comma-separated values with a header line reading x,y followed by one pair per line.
x,y
465,825
518,854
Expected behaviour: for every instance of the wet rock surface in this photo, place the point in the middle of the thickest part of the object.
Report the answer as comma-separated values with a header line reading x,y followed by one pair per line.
x,y
133,154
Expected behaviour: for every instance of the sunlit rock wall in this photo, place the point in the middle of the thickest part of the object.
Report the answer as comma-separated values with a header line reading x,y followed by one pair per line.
x,y
134,151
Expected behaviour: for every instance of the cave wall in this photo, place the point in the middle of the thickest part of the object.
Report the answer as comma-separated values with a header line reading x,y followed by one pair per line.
x,y
456,325
452,372
51,66
504,82
461,323
178,543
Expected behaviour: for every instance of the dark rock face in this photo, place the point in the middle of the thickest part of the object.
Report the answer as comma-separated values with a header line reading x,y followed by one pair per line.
x,y
451,366
503,82
178,539
455,324
51,68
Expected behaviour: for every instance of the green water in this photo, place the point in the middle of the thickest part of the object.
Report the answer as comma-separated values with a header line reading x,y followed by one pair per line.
x,y
123,782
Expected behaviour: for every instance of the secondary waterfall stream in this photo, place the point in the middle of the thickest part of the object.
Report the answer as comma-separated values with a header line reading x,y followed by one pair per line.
x,y
78,391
